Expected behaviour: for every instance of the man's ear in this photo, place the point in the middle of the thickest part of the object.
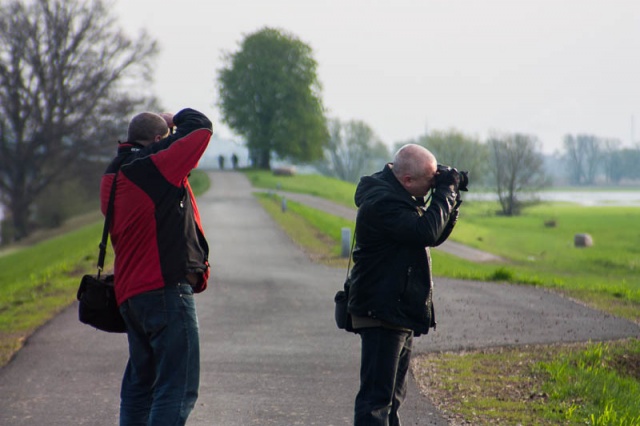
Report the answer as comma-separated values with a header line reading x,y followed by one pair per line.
x,y
406,180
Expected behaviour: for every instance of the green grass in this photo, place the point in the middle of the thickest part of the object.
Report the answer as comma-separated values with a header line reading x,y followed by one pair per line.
x,y
332,189
594,386
606,274
317,233
577,384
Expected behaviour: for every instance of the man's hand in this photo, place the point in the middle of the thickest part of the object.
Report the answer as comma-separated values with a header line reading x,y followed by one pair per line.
x,y
168,117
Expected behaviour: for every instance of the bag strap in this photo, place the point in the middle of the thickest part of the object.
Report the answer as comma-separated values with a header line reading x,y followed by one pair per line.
x,y
107,222
353,243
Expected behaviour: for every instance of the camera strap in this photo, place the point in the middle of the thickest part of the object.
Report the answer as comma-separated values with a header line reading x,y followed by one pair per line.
x,y
353,243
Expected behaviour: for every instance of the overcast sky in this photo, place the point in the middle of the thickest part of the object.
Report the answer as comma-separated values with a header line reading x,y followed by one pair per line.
x,y
542,67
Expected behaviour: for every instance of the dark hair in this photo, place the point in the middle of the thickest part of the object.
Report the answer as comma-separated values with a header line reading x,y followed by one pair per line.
x,y
145,126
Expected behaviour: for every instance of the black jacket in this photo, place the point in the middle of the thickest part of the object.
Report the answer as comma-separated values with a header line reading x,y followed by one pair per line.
x,y
391,276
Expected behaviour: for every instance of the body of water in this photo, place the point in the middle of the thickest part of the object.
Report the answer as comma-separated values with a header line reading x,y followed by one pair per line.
x,y
585,198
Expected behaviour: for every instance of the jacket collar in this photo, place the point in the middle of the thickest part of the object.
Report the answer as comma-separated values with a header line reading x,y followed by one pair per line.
x,y
128,147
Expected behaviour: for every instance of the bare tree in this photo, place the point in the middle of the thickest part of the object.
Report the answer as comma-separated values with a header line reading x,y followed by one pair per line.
x,y
517,166
584,155
611,159
622,164
67,75
353,150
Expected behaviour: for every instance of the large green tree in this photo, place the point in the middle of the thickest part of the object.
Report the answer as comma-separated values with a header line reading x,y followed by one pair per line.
x,y
66,88
270,94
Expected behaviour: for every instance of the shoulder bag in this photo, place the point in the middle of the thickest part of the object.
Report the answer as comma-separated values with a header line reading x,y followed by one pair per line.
x,y
96,294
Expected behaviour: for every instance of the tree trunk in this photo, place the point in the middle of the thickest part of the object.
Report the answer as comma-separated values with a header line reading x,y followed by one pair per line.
x,y
19,217
264,160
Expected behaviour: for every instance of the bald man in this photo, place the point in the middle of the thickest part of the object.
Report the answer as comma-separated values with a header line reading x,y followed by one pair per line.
x,y
390,285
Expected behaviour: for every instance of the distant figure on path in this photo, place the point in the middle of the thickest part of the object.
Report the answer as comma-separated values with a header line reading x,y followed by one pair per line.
x,y
221,161
161,260
234,161
390,295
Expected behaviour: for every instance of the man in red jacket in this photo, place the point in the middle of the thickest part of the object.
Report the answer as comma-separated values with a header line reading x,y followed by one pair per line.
x,y
161,260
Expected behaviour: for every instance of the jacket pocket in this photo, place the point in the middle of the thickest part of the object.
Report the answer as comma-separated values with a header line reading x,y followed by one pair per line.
x,y
406,283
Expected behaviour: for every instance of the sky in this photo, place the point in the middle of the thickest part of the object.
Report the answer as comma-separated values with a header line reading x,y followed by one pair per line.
x,y
406,67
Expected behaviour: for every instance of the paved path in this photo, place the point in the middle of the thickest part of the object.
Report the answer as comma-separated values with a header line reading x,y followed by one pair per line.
x,y
271,354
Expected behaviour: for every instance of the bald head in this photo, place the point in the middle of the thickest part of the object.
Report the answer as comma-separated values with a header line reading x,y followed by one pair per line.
x,y
415,167
146,128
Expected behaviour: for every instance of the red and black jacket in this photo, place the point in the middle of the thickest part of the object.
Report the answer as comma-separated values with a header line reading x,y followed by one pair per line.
x,y
156,232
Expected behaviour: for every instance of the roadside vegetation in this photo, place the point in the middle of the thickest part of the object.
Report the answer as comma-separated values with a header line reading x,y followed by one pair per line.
x,y
589,383
39,280
330,188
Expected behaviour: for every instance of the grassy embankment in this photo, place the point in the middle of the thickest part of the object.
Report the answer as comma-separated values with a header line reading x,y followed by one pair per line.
x,y
594,383
38,281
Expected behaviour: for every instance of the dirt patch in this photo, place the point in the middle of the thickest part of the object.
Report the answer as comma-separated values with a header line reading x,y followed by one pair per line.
x,y
10,343
627,365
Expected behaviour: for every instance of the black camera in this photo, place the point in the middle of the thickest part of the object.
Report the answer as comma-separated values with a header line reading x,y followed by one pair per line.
x,y
464,176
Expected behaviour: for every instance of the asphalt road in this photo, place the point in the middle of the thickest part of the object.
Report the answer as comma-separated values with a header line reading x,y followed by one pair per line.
x,y
271,354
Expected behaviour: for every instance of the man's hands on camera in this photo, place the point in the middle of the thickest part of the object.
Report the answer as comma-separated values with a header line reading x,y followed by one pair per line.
x,y
447,176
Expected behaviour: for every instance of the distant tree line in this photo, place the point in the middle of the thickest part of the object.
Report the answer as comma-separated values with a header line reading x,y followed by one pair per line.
x,y
588,156
510,164
70,80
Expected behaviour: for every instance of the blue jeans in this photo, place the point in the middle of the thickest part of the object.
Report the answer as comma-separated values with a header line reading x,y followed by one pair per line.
x,y
386,354
160,383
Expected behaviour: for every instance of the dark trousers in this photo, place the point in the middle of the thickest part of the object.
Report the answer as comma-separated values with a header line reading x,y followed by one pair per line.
x,y
160,383
386,354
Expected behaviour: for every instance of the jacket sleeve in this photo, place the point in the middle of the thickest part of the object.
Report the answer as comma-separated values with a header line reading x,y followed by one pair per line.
x,y
427,228
453,219
176,155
